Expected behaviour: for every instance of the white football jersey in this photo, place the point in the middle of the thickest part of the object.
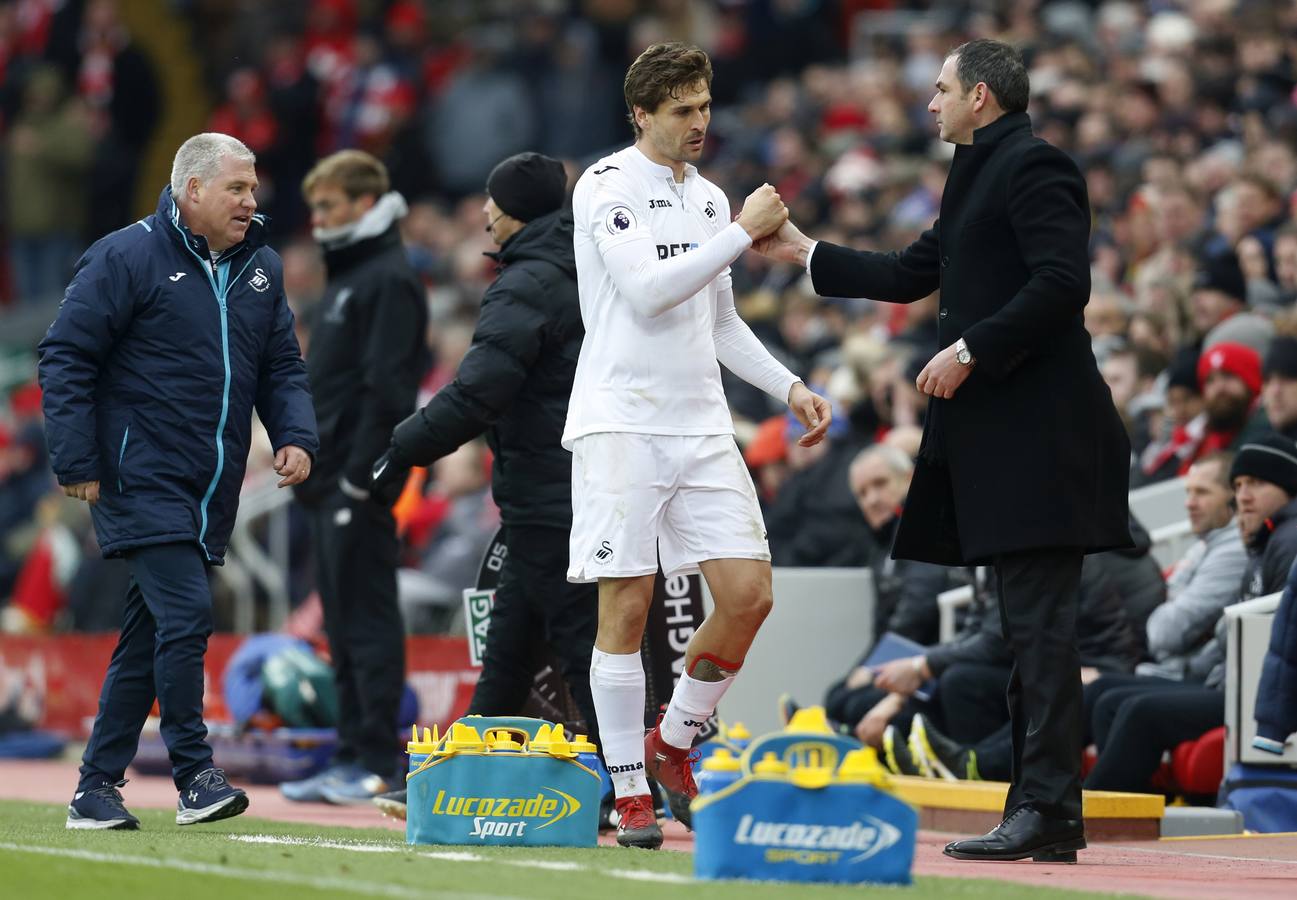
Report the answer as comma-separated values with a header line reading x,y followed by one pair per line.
x,y
652,260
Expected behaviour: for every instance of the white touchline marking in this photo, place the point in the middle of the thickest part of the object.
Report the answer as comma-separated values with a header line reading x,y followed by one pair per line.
x,y
354,886
1285,862
664,877
454,856
464,856
358,846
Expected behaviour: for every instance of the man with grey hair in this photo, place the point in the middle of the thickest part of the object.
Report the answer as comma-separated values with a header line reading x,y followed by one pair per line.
x,y
172,332
907,590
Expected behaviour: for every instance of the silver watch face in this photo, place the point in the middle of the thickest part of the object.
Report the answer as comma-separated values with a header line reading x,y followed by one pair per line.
x,y
963,356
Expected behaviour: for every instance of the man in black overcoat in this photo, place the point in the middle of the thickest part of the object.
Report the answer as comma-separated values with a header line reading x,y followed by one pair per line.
x,y
1024,459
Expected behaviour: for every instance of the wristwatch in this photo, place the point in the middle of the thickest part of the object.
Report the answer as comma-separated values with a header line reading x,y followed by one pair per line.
x,y
963,355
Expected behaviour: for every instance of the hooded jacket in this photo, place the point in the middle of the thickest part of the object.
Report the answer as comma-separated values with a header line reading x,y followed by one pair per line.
x,y
368,348
151,372
515,380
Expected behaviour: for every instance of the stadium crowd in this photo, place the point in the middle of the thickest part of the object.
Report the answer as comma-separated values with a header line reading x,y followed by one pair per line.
x,y
1182,115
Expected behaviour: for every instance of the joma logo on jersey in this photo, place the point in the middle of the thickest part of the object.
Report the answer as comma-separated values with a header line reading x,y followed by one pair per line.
x,y
659,204
550,809
667,250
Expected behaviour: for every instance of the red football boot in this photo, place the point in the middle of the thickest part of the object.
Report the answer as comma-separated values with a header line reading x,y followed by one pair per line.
x,y
637,824
671,767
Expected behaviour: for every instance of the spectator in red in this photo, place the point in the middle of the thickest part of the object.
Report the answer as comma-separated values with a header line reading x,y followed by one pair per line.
x,y
1230,377
245,114
117,82
1182,422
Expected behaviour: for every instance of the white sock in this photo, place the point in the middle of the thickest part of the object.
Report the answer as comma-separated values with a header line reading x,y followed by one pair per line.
x,y
617,683
692,702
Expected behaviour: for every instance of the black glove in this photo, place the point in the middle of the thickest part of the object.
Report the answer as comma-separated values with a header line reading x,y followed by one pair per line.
x,y
387,479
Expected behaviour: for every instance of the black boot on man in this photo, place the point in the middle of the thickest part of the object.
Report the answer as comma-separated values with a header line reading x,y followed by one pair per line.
x,y
1023,833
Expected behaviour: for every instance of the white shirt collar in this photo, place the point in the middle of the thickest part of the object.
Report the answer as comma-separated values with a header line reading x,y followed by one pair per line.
x,y
657,170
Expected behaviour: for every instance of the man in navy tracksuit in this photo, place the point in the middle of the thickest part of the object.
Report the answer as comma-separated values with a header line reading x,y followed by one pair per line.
x,y
172,331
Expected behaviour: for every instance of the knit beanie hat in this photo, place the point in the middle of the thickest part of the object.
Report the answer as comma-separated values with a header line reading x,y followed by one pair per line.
x,y
1221,272
1183,371
528,185
1281,358
1236,359
1271,457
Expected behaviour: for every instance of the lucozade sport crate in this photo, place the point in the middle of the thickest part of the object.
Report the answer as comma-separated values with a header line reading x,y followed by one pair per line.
x,y
505,781
808,805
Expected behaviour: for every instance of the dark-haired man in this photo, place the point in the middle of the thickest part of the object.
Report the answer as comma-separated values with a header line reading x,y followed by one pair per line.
x,y
1024,458
656,474
513,385
1279,385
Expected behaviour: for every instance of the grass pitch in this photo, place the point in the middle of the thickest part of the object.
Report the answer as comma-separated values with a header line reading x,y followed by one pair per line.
x,y
247,857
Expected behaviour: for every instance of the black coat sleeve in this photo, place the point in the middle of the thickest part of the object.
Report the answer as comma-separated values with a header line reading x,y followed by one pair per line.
x,y
1050,219
897,277
508,339
391,371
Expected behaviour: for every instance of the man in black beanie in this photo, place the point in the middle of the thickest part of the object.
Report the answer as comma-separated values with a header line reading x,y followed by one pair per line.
x,y
1135,720
1219,291
513,385
1279,387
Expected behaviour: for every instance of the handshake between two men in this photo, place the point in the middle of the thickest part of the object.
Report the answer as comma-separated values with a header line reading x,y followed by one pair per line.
x,y
775,237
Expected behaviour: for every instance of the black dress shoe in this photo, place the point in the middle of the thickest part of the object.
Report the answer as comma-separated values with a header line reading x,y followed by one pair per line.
x,y
1025,832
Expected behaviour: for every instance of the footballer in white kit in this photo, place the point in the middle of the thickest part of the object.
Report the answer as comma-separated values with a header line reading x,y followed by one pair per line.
x,y
656,473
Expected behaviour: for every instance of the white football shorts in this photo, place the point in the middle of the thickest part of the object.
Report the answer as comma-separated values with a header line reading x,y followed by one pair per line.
x,y
641,498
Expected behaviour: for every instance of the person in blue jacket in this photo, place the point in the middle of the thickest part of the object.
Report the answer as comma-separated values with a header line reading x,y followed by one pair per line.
x,y
171,333
1276,697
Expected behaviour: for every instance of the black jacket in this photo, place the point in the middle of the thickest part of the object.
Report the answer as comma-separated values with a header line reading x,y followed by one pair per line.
x,y
1138,580
366,356
515,379
1030,452
1271,553
814,520
907,591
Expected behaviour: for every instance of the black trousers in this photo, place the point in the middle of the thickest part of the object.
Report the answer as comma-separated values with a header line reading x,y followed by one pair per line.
x,y
536,607
1039,598
355,560
1135,719
159,655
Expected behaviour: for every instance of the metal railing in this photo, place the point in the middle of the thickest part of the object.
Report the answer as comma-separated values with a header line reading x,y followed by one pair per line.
x,y
249,566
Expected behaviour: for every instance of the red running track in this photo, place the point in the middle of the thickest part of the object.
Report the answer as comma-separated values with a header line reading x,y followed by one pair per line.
x,y
1254,867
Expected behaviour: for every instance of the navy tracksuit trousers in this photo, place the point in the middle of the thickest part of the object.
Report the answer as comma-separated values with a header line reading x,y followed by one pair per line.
x,y
159,655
